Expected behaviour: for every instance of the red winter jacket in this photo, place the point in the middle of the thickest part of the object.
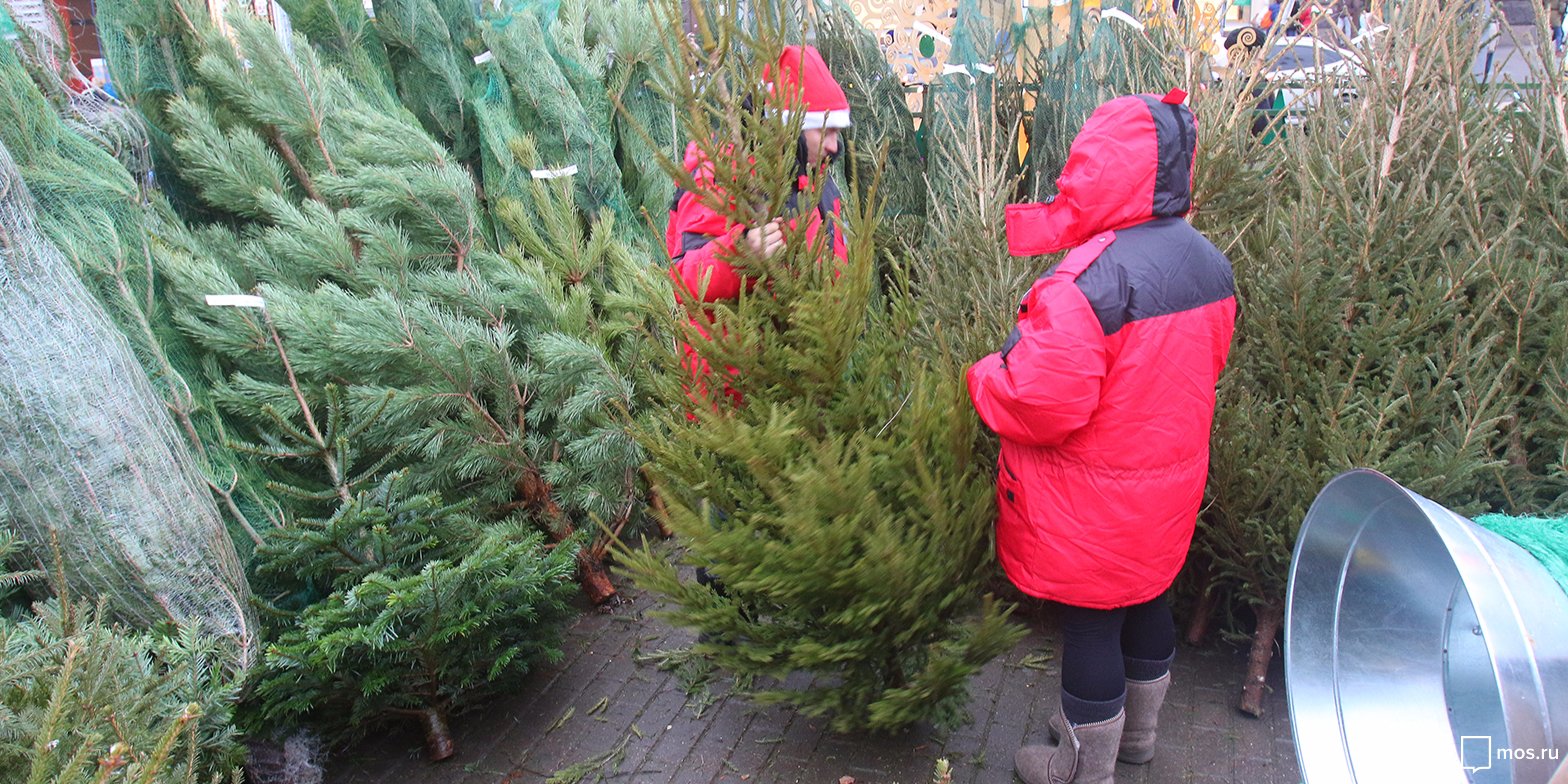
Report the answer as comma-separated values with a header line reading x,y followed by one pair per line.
x,y
701,243
1104,393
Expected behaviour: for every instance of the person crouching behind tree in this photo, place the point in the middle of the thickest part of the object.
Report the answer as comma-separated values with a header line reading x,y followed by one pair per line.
x,y
704,244
1103,396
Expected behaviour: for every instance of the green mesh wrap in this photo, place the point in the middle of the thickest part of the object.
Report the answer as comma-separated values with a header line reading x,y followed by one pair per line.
x,y
1544,538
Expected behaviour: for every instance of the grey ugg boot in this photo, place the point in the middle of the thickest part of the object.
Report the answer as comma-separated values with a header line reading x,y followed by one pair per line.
x,y
1144,699
1086,754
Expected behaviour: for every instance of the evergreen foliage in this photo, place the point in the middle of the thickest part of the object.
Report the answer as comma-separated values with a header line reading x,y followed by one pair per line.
x,y
841,505
82,700
367,239
93,466
397,339
82,161
428,608
1393,306
883,138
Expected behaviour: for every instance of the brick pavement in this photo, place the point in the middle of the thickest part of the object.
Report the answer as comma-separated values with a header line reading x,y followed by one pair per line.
x,y
633,722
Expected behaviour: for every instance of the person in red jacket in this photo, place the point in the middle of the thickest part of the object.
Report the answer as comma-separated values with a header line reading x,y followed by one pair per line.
x,y
703,243
1103,396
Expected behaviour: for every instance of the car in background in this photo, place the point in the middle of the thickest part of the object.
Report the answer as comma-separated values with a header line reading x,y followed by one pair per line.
x,y
1294,73
1303,69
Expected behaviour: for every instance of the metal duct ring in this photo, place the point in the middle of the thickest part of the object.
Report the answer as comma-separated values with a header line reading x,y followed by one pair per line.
x,y
1420,647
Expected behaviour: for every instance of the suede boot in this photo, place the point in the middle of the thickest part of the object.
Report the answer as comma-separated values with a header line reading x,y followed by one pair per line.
x,y
1144,699
1085,755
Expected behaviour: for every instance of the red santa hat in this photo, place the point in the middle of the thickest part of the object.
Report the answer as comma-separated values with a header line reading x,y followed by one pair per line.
x,y
804,84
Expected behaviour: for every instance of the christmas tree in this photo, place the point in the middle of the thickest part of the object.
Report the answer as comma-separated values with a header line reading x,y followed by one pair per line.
x,y
1390,303
84,700
379,330
429,609
87,162
368,239
840,505
95,467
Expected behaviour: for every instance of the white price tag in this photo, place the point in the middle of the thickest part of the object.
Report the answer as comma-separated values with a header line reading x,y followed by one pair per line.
x,y
235,301
550,174
370,8
1121,16
484,57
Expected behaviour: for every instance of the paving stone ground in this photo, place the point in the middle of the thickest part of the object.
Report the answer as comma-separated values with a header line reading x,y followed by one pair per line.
x,y
608,710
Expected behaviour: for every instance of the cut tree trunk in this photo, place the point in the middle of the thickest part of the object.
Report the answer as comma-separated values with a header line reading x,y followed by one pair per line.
x,y
1203,613
534,493
1270,618
656,503
438,735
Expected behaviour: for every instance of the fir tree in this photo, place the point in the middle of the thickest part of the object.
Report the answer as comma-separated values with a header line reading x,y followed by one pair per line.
x,y
84,700
840,504
1388,302
428,609
367,239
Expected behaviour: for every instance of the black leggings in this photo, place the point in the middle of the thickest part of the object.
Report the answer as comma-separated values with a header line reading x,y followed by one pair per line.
x,y
1105,648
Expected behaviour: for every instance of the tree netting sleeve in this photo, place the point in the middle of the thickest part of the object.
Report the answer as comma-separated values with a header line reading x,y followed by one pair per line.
x,y
89,458
1543,537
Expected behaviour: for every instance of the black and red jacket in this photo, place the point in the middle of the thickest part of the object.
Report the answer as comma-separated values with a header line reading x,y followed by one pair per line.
x,y
1104,394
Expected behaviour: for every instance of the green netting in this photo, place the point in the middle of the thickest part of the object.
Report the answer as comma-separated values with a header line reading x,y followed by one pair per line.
x,y
1544,538
90,466
86,161
347,39
1068,73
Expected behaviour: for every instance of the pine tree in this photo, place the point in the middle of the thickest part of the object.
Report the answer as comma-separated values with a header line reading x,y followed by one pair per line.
x,y
367,239
392,335
839,504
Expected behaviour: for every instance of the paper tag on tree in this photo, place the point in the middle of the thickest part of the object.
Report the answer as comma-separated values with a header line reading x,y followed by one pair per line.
x,y
550,174
235,301
484,57
1121,16
370,8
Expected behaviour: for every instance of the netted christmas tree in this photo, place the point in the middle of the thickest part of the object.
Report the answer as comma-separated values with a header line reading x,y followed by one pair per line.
x,y
590,106
576,225
92,464
832,487
335,190
87,162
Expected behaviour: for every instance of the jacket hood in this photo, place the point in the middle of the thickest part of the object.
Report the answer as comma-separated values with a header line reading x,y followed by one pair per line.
x,y
1130,163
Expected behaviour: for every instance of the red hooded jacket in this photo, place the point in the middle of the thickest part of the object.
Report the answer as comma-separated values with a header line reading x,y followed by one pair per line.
x,y
1103,395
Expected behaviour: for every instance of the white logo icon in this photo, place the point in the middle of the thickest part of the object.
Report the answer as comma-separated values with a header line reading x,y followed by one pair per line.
x,y
1475,752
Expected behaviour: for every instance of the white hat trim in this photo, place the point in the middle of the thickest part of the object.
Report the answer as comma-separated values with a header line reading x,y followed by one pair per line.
x,y
836,118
